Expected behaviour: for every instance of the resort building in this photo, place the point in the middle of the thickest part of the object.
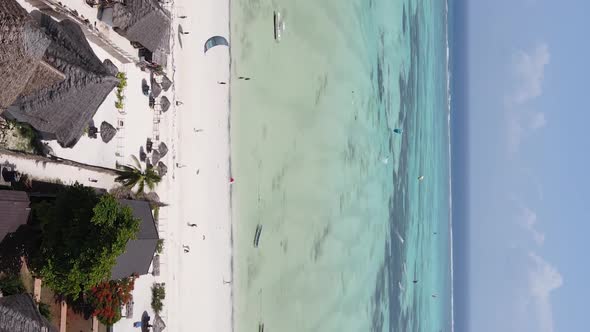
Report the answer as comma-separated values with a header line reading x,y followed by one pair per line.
x,y
139,252
145,23
14,211
69,86
19,313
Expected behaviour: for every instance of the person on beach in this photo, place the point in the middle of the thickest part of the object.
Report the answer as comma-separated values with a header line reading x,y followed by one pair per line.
x,y
92,180
222,83
180,165
186,249
231,180
415,281
191,225
244,78
185,32
182,16
178,103
197,130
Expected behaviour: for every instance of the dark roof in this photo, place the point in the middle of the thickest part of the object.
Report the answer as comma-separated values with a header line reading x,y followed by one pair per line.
x,y
144,22
139,252
14,211
22,45
18,313
63,110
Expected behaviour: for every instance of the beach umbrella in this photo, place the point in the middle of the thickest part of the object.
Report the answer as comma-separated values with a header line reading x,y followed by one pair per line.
x,y
142,154
155,157
158,324
163,149
215,41
162,168
156,89
148,145
164,104
166,83
107,131
145,88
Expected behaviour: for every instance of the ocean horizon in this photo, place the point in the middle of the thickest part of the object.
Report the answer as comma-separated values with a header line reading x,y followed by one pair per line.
x,y
341,145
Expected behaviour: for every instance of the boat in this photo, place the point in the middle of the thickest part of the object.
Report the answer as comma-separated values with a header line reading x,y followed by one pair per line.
x,y
421,177
257,235
279,25
260,327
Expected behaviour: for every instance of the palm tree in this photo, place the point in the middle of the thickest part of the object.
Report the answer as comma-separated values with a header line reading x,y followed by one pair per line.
x,y
133,175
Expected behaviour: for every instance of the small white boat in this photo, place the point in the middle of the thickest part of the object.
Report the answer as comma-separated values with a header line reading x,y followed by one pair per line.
x,y
279,25
421,177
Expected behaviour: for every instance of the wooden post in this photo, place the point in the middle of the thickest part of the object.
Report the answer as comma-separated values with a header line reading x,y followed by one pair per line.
x,y
37,290
94,324
63,316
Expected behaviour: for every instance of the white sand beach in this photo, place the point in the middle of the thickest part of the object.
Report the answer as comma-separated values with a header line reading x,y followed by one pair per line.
x,y
198,295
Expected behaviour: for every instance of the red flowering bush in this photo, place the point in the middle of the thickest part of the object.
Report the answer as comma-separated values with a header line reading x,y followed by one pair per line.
x,y
108,297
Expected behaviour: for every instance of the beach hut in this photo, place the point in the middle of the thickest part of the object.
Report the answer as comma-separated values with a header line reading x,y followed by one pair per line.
x,y
62,110
140,251
22,46
19,313
14,209
147,24
107,131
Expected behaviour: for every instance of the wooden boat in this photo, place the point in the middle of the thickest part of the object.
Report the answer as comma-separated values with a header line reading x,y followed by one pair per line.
x,y
257,235
279,25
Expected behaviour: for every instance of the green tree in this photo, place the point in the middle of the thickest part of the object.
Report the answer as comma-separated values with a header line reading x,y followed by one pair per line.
x,y
133,175
83,234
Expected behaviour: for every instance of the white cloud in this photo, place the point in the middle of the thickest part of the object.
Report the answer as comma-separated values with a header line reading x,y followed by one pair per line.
x,y
529,71
528,220
521,125
543,280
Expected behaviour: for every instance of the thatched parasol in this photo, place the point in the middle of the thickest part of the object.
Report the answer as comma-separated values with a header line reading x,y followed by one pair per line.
x,y
164,104
156,89
155,157
166,83
142,154
162,168
158,325
163,149
107,131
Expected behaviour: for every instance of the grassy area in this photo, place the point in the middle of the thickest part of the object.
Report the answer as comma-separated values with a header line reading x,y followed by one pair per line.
x,y
120,89
19,136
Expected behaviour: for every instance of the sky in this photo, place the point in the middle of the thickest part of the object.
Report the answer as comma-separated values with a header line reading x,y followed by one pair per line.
x,y
526,93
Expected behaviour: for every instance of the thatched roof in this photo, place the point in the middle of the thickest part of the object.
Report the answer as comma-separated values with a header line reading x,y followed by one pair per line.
x,y
107,131
166,83
156,89
164,104
63,110
163,149
22,45
19,313
144,22
156,157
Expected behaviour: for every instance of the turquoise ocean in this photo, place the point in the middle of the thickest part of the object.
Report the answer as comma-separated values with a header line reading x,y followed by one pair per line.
x,y
346,225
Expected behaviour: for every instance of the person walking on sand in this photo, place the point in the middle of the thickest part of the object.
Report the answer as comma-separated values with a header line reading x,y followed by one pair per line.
x,y
182,16
191,225
185,32
178,103
186,249
180,165
220,82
